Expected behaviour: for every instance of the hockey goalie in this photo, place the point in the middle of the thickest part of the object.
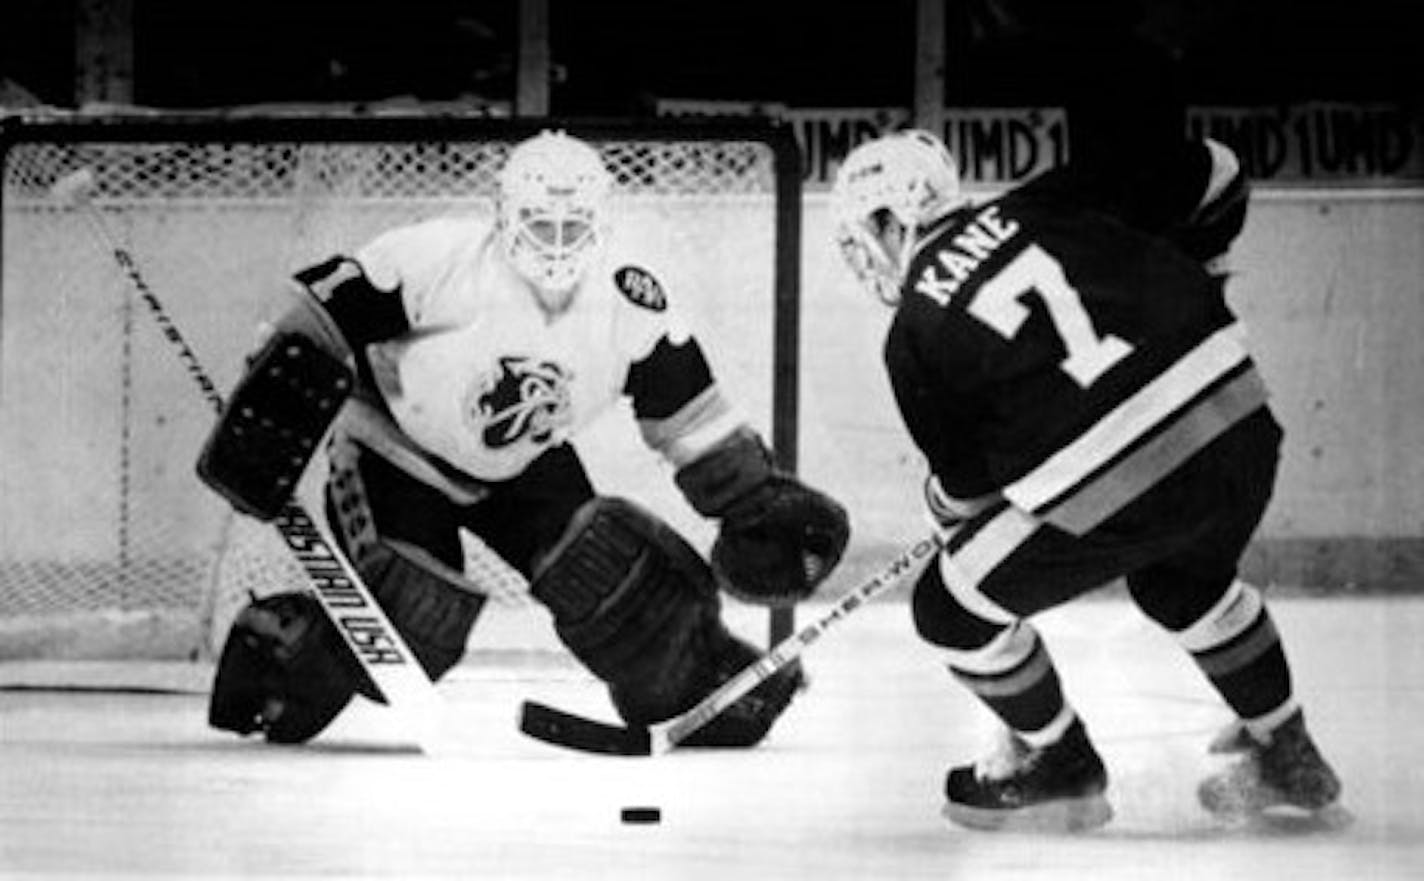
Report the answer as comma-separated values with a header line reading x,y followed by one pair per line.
x,y
452,362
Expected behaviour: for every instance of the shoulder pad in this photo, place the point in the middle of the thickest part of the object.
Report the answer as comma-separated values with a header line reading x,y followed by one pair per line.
x,y
325,279
640,287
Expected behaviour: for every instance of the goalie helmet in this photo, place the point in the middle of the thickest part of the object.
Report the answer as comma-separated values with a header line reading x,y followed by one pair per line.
x,y
885,190
552,193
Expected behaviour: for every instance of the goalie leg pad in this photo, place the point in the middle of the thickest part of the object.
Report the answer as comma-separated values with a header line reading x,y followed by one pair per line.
x,y
430,608
626,591
427,600
746,722
284,671
637,605
274,419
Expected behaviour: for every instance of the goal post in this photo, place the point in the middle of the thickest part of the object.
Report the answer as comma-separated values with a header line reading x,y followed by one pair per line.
x,y
109,545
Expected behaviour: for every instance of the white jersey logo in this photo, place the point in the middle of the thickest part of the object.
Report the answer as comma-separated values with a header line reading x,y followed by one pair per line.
x,y
522,399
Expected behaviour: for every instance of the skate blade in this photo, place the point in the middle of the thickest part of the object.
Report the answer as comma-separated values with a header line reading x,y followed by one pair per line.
x,y
1082,814
1287,820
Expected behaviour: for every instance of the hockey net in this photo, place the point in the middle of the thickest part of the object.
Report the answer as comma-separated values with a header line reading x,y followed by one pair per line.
x,y
110,548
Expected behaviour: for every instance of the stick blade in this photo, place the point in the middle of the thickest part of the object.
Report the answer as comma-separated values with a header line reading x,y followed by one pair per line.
x,y
554,726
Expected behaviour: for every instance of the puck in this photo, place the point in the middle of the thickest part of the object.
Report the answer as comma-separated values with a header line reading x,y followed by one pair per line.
x,y
641,815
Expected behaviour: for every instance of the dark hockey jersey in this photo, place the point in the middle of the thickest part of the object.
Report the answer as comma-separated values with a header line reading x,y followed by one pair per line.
x,y
1066,346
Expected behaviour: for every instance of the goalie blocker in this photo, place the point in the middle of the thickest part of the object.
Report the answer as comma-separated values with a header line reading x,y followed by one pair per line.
x,y
274,420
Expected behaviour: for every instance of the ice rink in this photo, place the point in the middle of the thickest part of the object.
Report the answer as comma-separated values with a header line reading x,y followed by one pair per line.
x,y
101,783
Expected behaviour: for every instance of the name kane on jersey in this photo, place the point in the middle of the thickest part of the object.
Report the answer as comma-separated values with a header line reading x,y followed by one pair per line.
x,y
958,257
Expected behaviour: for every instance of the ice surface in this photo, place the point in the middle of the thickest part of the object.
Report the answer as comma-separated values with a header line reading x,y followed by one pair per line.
x,y
103,783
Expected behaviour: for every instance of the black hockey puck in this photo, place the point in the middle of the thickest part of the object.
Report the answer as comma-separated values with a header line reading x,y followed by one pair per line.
x,y
641,815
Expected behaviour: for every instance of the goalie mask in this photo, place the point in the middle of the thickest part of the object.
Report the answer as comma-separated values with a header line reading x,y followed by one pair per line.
x,y
885,190
550,213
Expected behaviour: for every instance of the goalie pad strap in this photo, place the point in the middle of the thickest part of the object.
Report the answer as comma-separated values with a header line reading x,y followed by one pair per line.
x,y
273,422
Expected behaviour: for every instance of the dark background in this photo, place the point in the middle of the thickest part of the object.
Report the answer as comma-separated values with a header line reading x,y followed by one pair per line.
x,y
619,57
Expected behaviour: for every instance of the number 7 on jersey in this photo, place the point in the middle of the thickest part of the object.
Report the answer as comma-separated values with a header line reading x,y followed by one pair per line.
x,y
999,304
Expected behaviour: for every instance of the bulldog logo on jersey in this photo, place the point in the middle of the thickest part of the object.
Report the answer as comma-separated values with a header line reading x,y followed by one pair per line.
x,y
639,286
522,400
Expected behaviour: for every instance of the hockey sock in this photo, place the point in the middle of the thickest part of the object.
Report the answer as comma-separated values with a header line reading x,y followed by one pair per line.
x,y
1236,645
1015,677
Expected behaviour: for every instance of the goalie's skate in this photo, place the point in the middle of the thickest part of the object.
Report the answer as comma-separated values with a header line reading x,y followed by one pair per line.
x,y
1285,772
1057,788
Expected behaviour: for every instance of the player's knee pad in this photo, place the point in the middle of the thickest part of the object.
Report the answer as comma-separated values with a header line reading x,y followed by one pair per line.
x,y
284,670
1176,600
943,621
1239,608
637,605
1002,658
994,659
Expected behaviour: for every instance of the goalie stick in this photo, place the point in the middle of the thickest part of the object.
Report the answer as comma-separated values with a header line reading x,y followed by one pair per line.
x,y
368,633
560,728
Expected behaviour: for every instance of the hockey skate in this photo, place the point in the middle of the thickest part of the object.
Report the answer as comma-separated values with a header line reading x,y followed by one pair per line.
x,y
1287,772
1058,788
1232,739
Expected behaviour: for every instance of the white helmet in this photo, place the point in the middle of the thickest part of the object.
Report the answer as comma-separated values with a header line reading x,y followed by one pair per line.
x,y
550,209
909,178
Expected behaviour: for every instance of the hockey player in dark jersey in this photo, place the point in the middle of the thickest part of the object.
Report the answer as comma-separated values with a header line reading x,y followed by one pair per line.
x,y
476,351
1065,359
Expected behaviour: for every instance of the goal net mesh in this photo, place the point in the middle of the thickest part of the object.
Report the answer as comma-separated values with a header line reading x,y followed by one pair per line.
x,y
109,545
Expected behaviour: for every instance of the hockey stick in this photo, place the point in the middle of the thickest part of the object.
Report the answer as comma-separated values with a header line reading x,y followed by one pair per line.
x,y
561,728
377,645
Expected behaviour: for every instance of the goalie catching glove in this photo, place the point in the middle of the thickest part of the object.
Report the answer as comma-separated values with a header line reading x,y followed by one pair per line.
x,y
779,539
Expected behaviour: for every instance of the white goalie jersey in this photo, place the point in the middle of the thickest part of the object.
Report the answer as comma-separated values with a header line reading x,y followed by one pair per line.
x,y
480,376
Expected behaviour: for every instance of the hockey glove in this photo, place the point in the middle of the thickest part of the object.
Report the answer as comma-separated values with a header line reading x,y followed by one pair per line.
x,y
779,539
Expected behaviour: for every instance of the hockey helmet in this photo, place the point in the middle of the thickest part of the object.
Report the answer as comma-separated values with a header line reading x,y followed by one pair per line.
x,y
552,195
885,190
